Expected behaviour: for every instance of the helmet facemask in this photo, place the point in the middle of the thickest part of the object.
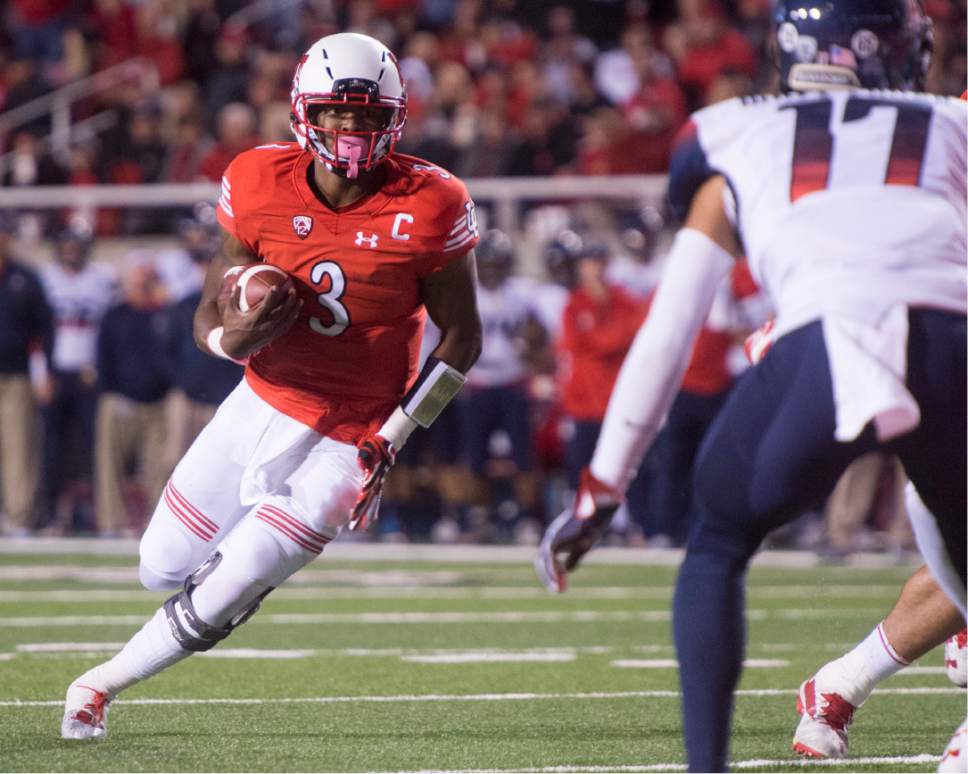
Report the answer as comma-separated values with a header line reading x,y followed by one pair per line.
x,y
348,152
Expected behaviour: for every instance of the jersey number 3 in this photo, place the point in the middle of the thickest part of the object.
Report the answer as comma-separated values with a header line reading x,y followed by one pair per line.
x,y
813,144
329,273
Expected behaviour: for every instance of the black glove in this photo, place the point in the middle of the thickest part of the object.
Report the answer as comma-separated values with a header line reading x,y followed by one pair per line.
x,y
575,531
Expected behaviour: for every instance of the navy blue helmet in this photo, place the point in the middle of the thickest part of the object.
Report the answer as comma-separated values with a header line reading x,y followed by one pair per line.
x,y
495,249
837,44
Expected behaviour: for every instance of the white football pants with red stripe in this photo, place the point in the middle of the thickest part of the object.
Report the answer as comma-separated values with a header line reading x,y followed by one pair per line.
x,y
263,489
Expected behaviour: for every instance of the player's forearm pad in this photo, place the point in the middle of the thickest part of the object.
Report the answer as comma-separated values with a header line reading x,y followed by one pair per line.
x,y
435,388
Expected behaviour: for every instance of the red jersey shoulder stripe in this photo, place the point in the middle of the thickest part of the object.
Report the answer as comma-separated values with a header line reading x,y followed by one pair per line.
x,y
225,197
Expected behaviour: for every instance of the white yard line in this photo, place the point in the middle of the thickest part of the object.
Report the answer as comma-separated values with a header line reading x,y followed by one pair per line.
x,y
74,647
671,663
71,648
474,657
456,617
754,763
348,550
486,697
507,616
388,589
912,671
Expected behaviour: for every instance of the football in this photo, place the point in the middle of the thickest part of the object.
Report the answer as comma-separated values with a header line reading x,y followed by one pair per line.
x,y
255,281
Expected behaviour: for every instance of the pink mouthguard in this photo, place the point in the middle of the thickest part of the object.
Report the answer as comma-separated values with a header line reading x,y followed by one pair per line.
x,y
352,148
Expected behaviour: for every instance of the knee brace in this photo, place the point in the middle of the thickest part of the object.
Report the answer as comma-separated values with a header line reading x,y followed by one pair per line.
x,y
188,628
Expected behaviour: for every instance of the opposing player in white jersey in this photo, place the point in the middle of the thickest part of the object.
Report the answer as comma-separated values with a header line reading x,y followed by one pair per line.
x,y
849,202
80,292
497,394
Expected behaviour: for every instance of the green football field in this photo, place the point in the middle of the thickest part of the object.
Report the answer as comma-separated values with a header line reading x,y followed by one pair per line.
x,y
377,658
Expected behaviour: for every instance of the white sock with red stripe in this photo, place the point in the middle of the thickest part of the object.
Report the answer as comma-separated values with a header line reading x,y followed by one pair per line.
x,y
855,674
151,650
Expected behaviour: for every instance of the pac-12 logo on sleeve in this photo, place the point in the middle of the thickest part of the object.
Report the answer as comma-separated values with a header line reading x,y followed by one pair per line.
x,y
302,225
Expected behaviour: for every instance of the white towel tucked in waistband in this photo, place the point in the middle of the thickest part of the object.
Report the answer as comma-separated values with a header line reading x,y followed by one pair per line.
x,y
868,364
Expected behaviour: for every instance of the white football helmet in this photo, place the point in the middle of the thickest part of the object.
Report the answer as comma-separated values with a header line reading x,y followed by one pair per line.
x,y
348,69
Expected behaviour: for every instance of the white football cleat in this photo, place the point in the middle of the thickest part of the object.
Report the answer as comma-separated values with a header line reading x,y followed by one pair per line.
x,y
956,658
954,758
822,732
85,713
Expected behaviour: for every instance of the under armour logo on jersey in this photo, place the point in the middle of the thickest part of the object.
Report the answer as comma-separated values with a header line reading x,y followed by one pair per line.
x,y
302,225
369,241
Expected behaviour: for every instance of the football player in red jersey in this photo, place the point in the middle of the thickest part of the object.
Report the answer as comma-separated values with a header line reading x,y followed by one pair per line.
x,y
331,391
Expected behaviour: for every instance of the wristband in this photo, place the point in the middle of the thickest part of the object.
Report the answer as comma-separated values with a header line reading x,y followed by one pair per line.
x,y
397,428
214,342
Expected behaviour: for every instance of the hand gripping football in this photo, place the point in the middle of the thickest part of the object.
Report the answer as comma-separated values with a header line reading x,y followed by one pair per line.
x,y
254,283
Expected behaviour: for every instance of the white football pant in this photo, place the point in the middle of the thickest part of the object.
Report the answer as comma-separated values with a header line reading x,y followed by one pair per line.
x,y
263,489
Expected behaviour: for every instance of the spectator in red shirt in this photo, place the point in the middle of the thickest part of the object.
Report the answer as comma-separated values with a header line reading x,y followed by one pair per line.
x,y
654,114
604,143
703,45
599,323
157,42
117,33
236,133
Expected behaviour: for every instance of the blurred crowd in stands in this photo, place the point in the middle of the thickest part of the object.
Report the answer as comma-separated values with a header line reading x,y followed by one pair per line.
x,y
501,88
496,87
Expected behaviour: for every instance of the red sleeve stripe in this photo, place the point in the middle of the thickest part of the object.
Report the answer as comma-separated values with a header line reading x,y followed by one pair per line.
x,y
273,522
310,534
225,198
201,517
184,519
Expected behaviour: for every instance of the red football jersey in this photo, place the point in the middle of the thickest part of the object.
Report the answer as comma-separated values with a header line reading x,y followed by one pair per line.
x,y
351,355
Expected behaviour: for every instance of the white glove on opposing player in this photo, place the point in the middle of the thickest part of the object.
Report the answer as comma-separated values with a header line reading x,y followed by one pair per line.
x,y
575,531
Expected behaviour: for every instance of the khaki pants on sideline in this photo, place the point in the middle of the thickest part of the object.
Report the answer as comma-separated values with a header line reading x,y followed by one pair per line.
x,y
127,429
19,460
186,418
851,501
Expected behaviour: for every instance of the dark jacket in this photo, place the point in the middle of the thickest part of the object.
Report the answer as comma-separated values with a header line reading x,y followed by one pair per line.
x,y
200,376
25,317
131,353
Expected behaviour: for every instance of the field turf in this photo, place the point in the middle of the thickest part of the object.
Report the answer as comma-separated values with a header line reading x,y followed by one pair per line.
x,y
438,662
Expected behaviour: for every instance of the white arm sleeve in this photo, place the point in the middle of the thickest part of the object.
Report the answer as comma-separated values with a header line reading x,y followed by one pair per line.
x,y
654,366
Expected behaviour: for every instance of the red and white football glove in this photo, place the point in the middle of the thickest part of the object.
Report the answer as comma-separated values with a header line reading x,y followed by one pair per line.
x,y
758,343
376,457
575,531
